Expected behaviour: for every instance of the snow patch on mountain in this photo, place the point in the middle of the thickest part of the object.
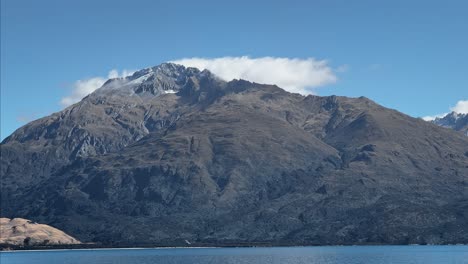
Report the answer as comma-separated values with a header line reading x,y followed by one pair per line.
x,y
453,120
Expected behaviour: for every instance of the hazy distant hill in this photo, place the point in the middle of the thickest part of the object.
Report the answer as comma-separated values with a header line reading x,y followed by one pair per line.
x,y
173,154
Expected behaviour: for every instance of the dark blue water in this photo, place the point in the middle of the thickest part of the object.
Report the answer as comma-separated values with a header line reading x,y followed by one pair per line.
x,y
288,255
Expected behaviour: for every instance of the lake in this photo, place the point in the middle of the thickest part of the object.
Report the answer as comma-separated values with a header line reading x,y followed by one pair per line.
x,y
288,255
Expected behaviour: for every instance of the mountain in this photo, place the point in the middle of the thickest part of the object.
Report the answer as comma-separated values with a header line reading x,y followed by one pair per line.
x,y
24,232
456,121
174,154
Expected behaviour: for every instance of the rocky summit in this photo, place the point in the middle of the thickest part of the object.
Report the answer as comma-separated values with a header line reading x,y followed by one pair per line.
x,y
456,121
172,155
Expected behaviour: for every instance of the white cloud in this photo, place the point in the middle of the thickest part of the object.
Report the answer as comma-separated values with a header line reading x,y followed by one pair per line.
x,y
294,75
461,108
81,88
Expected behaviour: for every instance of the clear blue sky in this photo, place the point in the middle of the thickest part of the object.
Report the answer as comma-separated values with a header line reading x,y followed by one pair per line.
x,y
407,55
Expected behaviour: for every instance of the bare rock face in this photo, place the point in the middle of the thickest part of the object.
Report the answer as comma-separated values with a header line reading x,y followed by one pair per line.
x,y
173,154
455,121
23,232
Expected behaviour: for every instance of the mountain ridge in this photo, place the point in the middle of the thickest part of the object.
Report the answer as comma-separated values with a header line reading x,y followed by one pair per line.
x,y
236,162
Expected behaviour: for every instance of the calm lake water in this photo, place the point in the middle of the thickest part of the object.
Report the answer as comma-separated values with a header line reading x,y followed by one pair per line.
x,y
288,255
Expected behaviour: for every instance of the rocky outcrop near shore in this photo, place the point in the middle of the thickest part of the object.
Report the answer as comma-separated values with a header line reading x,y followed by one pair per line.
x,y
23,232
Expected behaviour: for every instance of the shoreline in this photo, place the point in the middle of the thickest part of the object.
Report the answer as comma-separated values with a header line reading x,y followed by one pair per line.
x,y
11,250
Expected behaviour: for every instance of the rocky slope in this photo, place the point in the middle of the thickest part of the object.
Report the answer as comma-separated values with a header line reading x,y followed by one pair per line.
x,y
456,121
24,232
173,154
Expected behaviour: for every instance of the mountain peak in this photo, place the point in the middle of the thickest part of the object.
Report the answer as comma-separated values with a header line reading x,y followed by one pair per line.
x,y
153,81
456,121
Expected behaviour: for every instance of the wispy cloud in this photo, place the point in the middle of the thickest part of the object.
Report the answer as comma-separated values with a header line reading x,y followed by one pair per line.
x,y
433,117
293,74
342,68
25,118
81,88
375,67
461,108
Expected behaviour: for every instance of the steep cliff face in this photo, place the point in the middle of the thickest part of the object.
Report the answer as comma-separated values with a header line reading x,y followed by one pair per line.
x,y
120,113
172,154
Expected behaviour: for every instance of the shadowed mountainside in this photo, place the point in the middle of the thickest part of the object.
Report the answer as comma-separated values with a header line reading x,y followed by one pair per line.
x,y
173,154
